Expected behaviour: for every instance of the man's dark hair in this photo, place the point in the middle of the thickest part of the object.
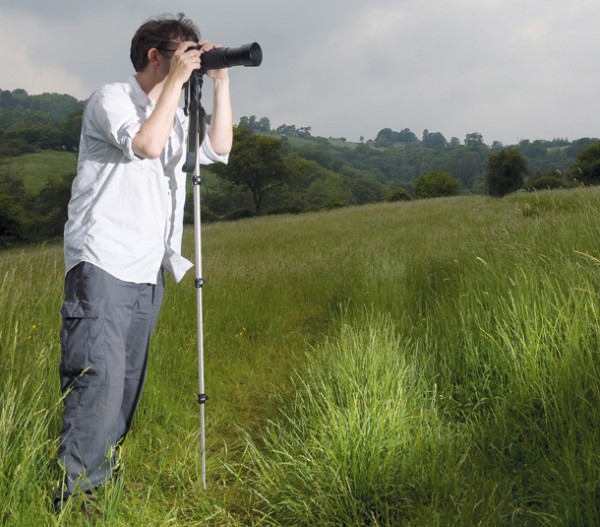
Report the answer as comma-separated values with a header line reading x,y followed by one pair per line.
x,y
156,32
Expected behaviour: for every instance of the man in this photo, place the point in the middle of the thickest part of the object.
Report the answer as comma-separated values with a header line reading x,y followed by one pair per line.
x,y
125,226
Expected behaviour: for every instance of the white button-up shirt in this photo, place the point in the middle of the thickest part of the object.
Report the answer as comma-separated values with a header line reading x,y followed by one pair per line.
x,y
126,213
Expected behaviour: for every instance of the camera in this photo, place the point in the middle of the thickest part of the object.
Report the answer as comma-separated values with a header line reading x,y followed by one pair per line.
x,y
219,58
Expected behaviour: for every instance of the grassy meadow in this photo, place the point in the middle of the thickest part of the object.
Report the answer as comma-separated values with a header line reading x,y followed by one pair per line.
x,y
430,363
36,168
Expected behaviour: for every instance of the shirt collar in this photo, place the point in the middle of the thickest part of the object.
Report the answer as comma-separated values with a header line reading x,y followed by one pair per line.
x,y
139,96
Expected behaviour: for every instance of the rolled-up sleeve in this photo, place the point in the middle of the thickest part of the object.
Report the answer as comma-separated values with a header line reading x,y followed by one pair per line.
x,y
115,118
208,155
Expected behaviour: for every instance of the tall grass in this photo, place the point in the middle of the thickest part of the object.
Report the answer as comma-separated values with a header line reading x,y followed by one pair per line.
x,y
29,401
469,396
430,363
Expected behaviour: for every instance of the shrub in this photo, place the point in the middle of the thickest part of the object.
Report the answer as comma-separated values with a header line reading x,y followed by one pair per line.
x,y
505,172
547,181
398,194
587,165
436,184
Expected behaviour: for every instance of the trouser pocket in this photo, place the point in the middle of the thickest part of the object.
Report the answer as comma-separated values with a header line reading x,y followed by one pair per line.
x,y
81,330
78,338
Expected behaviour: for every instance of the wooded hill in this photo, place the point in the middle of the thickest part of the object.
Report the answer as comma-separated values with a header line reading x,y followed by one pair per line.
x,y
31,122
274,170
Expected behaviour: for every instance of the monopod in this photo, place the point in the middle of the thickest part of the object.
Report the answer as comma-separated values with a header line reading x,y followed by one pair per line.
x,y
249,55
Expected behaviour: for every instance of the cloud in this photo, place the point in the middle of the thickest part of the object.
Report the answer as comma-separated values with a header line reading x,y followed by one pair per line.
x,y
505,68
25,62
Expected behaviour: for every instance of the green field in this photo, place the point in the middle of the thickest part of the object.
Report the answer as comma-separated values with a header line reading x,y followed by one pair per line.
x,y
35,169
429,363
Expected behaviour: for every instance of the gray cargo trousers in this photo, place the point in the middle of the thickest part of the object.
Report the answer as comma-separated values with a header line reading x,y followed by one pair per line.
x,y
106,329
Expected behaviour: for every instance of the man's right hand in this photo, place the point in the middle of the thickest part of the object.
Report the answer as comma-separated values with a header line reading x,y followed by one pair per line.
x,y
184,61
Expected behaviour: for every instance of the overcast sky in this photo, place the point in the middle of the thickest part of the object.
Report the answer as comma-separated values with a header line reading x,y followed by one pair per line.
x,y
508,69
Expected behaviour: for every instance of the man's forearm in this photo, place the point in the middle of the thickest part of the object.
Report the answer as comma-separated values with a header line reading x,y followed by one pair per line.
x,y
221,123
154,133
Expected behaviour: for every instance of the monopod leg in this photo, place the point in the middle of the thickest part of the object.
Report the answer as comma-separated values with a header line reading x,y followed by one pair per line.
x,y
202,397
193,108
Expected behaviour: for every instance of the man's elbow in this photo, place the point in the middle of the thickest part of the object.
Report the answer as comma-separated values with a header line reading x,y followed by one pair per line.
x,y
223,151
221,147
152,153
146,151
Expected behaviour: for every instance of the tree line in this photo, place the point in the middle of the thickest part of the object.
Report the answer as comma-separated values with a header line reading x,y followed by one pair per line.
x,y
38,122
288,170
268,174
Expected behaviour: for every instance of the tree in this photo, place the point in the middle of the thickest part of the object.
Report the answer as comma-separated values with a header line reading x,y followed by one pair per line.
x,y
51,205
398,194
405,136
311,186
463,164
388,137
535,149
262,125
325,193
548,181
13,216
433,139
587,165
505,172
12,220
255,163
436,183
248,122
71,130
367,190
474,139
290,130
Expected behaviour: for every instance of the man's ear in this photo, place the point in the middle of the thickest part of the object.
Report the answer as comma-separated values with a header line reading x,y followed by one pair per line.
x,y
153,57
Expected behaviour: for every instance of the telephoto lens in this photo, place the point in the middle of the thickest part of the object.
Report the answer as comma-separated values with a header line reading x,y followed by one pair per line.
x,y
219,58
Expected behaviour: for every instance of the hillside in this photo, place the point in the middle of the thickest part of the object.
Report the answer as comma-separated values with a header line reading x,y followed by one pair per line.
x,y
30,123
390,364
36,168
302,173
